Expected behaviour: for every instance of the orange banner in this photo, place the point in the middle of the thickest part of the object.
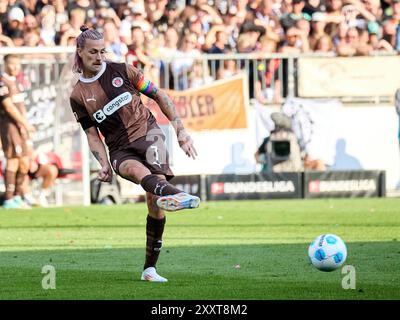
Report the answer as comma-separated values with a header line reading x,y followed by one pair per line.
x,y
222,105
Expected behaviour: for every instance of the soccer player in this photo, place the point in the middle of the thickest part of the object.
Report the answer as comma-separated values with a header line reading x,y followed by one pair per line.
x,y
107,98
14,131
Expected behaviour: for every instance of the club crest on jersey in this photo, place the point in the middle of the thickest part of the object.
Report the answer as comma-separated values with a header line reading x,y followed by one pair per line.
x,y
117,82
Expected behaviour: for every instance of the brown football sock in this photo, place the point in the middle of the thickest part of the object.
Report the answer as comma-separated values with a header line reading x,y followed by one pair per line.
x,y
158,186
9,181
154,232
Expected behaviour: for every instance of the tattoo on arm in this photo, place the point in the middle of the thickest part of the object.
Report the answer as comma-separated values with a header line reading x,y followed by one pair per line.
x,y
97,156
96,145
168,108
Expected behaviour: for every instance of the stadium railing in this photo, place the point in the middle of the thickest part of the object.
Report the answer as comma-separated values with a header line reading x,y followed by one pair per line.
x,y
270,75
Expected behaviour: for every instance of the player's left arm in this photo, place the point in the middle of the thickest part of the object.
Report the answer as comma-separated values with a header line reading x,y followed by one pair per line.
x,y
166,105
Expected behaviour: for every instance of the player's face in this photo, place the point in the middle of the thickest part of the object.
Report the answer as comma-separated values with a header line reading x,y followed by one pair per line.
x,y
93,55
13,66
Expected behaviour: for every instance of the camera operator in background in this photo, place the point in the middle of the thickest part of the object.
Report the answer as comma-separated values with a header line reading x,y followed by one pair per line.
x,y
280,151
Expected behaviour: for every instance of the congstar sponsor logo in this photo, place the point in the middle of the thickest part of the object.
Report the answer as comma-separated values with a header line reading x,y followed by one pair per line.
x,y
113,106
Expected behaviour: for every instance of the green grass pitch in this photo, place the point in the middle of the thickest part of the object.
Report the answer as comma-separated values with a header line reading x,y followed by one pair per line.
x,y
224,250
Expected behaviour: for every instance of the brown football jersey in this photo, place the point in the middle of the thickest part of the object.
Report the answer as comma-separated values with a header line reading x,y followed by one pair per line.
x,y
111,101
13,89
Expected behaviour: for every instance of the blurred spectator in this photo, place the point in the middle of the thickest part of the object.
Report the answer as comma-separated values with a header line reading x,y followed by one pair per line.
x,y
61,13
229,69
103,13
266,15
231,26
76,19
86,6
14,26
296,42
268,85
314,6
318,24
196,27
59,21
199,75
218,47
139,16
324,45
166,53
171,39
353,45
155,9
375,34
334,11
31,22
31,38
390,23
374,7
4,40
136,54
116,50
253,32
207,17
170,18
4,12
289,19
247,43
184,61
304,26
48,25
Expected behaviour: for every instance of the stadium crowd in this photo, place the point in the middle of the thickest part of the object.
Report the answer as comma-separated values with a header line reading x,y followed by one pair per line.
x,y
161,27
145,33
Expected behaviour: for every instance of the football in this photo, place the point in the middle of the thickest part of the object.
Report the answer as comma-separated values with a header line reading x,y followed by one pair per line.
x,y
327,252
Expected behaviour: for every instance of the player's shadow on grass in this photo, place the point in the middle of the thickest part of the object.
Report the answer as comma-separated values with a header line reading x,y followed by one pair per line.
x,y
253,271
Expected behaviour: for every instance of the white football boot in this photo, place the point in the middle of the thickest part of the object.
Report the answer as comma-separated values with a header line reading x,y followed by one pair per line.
x,y
178,201
150,274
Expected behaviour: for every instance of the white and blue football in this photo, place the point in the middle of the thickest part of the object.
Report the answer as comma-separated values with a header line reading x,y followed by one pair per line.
x,y
327,252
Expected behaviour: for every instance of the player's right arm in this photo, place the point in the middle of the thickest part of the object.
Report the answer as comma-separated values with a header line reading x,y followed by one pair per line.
x,y
99,151
95,143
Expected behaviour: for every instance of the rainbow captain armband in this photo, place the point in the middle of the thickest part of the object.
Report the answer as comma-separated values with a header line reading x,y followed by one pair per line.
x,y
146,86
